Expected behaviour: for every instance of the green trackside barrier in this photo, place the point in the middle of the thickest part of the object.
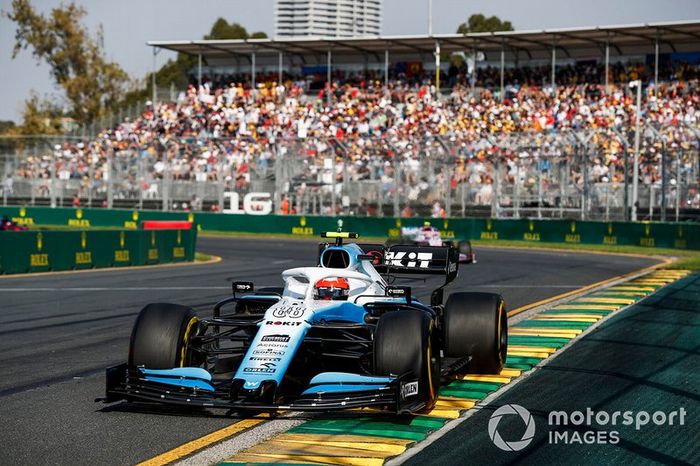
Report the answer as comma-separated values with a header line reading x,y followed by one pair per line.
x,y
648,234
42,251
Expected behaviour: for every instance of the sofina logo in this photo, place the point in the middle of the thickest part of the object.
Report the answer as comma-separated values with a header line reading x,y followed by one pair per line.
x,y
509,410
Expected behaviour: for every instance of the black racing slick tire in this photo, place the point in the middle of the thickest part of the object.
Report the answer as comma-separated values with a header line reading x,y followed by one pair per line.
x,y
404,345
476,325
159,339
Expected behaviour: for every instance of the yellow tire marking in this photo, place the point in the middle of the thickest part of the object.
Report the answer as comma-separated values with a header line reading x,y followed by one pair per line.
x,y
202,442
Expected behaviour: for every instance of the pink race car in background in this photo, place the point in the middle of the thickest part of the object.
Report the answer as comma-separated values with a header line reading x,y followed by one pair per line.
x,y
428,235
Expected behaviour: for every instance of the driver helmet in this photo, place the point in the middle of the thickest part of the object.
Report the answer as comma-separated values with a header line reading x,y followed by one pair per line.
x,y
427,226
336,289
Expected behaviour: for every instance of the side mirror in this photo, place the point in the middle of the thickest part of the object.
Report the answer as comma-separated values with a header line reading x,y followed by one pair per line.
x,y
242,287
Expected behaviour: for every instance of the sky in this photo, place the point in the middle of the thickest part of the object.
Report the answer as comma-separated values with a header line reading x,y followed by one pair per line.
x,y
129,24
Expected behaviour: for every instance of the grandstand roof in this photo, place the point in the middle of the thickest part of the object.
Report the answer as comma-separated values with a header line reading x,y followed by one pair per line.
x,y
632,39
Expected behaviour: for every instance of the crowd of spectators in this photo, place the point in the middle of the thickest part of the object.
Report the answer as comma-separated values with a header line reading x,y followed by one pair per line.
x,y
364,135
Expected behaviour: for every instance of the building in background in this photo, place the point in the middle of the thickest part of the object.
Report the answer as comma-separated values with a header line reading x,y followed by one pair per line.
x,y
328,18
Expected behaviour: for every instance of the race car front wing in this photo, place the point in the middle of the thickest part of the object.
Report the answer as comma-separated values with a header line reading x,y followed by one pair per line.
x,y
397,394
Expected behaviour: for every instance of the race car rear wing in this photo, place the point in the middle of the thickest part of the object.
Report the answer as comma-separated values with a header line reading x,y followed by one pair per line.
x,y
403,259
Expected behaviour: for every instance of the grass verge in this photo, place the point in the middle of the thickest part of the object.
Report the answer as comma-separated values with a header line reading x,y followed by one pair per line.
x,y
201,257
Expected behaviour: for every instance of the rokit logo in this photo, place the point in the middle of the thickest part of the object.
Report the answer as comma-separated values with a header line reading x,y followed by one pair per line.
x,y
277,338
277,322
420,260
409,389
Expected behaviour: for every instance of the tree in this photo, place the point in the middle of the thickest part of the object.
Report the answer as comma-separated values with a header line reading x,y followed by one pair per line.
x,y
176,71
41,116
480,23
77,61
6,126
223,30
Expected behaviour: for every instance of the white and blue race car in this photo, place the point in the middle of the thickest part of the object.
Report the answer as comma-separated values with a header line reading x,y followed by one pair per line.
x,y
336,336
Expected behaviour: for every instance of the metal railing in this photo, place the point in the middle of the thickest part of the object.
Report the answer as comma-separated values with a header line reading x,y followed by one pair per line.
x,y
582,174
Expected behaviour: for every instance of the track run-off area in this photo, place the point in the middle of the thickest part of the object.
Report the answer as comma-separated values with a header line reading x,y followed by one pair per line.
x,y
60,331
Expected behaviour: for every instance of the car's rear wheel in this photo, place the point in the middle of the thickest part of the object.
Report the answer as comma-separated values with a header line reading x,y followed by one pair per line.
x,y
404,344
476,325
160,337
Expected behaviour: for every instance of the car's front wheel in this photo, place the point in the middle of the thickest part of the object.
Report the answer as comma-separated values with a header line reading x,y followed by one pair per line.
x,y
404,345
161,335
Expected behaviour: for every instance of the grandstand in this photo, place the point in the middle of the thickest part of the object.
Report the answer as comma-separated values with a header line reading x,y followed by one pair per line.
x,y
543,128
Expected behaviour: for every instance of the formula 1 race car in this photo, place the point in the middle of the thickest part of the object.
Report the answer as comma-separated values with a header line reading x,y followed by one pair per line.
x,y
8,225
336,336
428,235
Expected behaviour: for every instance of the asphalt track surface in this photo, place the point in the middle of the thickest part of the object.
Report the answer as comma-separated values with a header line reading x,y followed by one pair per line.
x,y
59,332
